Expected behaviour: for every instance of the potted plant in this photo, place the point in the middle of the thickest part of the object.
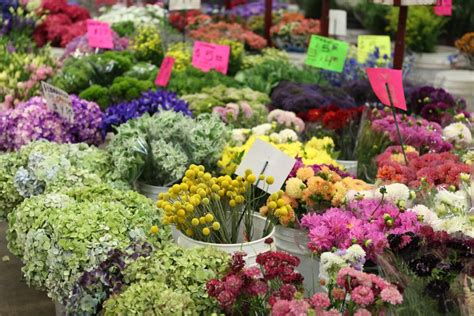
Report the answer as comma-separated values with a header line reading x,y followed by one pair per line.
x,y
221,211
153,152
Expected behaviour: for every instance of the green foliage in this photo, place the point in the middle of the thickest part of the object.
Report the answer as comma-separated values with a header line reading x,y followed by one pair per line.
x,y
142,71
423,28
192,80
265,76
124,29
172,281
127,88
98,94
372,16
461,21
274,54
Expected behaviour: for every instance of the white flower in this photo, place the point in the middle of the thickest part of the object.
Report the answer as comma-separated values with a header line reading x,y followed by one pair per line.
x,y
330,263
354,253
395,192
276,138
239,135
353,194
454,225
458,133
453,202
288,135
262,129
429,217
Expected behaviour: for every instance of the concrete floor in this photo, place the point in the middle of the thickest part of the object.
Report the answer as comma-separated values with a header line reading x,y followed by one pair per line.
x,y
16,298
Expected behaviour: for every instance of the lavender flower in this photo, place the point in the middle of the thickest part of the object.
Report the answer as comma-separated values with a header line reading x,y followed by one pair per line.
x,y
299,164
149,102
80,46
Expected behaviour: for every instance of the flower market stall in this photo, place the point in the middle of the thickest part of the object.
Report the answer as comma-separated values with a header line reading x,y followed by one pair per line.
x,y
173,158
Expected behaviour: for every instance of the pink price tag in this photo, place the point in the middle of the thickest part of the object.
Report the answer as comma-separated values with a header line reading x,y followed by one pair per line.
x,y
207,56
379,78
99,34
443,8
164,74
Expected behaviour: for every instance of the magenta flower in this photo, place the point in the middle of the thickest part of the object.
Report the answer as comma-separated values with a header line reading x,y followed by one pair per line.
x,y
362,295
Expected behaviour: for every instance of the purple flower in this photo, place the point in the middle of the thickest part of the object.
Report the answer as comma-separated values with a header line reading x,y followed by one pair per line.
x,y
81,45
299,164
149,102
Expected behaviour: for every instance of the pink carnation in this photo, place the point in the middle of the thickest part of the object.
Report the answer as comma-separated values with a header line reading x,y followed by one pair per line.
x,y
391,295
362,312
319,300
362,295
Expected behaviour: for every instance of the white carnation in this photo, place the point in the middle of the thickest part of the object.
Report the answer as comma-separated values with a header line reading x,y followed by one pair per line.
x,y
458,133
454,202
429,217
288,135
262,129
329,263
395,192
454,225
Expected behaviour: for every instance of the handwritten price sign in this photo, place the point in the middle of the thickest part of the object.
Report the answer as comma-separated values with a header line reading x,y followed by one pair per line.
x,y
175,5
99,34
58,101
380,79
207,56
443,8
327,53
164,75
366,45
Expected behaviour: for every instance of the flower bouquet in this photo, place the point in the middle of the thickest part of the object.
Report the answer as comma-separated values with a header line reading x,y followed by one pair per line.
x,y
241,114
158,149
80,46
140,15
314,151
254,290
293,31
33,120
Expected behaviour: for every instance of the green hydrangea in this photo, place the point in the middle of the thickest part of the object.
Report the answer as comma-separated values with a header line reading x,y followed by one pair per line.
x,y
185,271
60,235
272,54
158,149
9,196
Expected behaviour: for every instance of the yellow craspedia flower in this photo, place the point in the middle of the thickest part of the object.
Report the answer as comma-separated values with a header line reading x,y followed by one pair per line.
x,y
206,231
251,178
270,180
154,229
209,217
216,225
195,221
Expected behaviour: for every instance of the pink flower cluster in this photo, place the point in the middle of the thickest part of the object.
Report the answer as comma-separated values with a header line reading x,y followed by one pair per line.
x,y
364,222
368,292
276,279
419,133
434,169
63,23
232,111
288,119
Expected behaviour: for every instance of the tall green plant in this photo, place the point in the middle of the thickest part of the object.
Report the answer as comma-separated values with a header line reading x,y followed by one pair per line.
x,y
423,28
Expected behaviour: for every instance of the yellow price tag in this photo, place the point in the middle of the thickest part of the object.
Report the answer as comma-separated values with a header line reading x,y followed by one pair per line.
x,y
366,45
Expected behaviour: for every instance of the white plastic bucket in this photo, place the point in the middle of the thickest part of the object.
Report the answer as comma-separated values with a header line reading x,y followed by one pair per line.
x,y
350,166
150,191
252,249
427,65
294,241
459,83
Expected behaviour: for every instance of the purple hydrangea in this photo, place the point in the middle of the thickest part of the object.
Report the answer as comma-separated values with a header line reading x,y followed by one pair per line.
x,y
419,133
32,120
149,102
299,164
80,46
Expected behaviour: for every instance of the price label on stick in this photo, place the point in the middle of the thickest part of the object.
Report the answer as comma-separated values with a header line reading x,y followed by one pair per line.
x,y
207,56
338,22
326,53
443,8
380,79
164,75
99,34
366,45
58,101
175,5
264,158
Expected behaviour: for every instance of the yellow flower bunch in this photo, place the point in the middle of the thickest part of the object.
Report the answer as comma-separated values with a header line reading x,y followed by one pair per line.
x,y
181,52
211,208
315,151
314,190
147,45
398,157
278,209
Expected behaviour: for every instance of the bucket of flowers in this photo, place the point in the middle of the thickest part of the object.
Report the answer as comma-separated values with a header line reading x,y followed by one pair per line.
x,y
220,211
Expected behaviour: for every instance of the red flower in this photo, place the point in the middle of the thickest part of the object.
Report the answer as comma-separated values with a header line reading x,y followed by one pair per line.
x,y
54,6
77,13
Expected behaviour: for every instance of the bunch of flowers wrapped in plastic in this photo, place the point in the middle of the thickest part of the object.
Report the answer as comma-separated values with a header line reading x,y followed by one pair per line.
x,y
158,149
33,120
80,46
314,151
241,114
62,24
366,222
149,102
430,170
420,133
318,187
436,105
256,289
212,209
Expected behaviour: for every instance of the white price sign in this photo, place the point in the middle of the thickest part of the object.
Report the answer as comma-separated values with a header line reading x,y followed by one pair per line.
x,y
338,22
58,101
175,5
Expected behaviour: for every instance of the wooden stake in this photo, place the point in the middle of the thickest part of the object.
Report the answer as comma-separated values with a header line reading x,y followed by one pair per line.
x,y
268,21
324,20
400,38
